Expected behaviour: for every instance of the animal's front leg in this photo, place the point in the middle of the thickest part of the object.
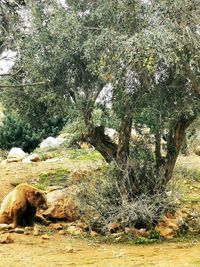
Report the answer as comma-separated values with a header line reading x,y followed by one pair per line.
x,y
16,218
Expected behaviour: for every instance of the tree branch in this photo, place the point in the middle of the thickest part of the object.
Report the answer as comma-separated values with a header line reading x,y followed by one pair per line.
x,y
194,82
22,85
10,74
72,94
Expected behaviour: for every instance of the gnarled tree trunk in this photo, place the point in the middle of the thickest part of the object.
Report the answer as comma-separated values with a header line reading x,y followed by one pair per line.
x,y
175,140
120,154
103,144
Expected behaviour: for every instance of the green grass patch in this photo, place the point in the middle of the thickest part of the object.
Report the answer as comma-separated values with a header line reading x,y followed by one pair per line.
x,y
57,177
64,152
144,240
80,154
50,153
196,262
191,198
188,174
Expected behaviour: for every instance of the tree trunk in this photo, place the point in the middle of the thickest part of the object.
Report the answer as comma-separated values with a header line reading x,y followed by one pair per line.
x,y
102,143
174,142
123,171
127,183
158,148
124,139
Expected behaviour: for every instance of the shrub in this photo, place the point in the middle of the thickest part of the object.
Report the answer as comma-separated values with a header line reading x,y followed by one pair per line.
x,y
106,203
15,132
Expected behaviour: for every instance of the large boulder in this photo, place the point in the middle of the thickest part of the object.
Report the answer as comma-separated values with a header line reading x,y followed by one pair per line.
x,y
172,225
62,205
51,142
16,154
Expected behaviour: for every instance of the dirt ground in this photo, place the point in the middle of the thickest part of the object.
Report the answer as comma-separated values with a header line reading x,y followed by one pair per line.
x,y
33,251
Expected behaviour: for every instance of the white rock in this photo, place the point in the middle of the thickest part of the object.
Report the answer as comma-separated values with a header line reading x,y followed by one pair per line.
x,y
51,142
26,160
16,154
31,158
113,134
4,226
19,230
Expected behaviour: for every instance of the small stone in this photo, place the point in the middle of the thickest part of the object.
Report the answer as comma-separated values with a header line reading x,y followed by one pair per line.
x,y
26,232
113,227
143,232
4,227
167,233
197,150
29,228
93,233
73,230
36,231
62,232
46,237
6,239
57,226
131,230
19,230
69,249
16,154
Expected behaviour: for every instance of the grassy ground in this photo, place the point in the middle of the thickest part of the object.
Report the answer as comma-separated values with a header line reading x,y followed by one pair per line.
x,y
187,179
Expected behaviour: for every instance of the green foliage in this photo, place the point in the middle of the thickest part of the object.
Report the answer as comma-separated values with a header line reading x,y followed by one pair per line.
x,y
144,241
105,116
76,126
8,18
16,132
134,46
153,234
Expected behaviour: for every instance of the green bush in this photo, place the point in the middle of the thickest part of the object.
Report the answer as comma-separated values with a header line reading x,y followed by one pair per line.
x,y
15,132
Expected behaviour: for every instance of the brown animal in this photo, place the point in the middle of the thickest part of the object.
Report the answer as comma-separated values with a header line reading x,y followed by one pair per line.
x,y
20,205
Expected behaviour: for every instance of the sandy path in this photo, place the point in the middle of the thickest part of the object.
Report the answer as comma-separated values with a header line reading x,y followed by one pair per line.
x,y
34,252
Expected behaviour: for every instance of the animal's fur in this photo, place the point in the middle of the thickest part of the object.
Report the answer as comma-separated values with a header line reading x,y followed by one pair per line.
x,y
20,205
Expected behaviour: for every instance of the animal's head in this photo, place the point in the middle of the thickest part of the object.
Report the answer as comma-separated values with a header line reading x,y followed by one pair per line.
x,y
37,199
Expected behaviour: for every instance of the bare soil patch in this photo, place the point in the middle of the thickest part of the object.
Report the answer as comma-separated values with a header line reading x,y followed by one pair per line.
x,y
32,251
